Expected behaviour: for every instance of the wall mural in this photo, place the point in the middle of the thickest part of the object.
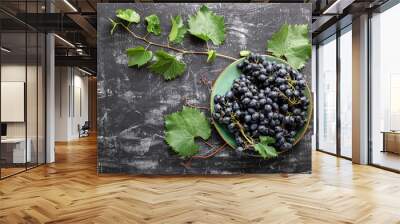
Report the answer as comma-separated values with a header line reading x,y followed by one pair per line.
x,y
204,89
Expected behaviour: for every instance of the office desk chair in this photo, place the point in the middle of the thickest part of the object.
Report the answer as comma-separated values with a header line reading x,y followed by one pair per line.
x,y
84,130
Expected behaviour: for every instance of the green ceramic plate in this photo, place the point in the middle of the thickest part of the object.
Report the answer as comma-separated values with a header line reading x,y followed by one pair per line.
x,y
223,84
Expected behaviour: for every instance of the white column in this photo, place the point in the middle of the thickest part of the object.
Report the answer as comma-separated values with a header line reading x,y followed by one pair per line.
x,y
50,92
360,90
50,100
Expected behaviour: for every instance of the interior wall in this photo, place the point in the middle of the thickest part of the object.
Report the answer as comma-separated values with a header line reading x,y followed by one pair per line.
x,y
71,102
80,110
61,103
16,72
33,126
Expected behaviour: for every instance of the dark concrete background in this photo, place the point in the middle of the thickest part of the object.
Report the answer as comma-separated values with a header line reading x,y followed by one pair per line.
x,y
132,102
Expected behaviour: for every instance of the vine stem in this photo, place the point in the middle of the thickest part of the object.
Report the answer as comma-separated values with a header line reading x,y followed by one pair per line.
x,y
207,143
186,103
249,140
291,102
182,51
241,129
197,107
213,152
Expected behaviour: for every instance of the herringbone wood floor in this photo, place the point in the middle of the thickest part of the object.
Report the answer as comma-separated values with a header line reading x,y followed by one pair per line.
x,y
70,191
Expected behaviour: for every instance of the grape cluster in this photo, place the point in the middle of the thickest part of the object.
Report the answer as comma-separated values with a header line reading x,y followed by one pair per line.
x,y
268,99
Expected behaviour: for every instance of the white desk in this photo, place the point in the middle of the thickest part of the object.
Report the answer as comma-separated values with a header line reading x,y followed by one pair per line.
x,y
19,153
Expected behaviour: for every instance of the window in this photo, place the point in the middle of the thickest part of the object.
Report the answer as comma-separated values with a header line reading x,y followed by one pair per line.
x,y
326,140
385,89
346,92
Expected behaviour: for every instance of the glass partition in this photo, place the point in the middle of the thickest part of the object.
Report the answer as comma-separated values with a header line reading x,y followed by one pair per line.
x,y
326,99
22,78
13,109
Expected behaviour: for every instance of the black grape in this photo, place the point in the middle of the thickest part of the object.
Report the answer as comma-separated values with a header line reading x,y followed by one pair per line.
x,y
267,99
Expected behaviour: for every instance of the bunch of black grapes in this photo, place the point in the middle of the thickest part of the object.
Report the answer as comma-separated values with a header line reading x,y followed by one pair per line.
x,y
268,99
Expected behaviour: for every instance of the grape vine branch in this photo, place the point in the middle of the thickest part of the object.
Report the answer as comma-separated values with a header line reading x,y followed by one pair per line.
x,y
180,50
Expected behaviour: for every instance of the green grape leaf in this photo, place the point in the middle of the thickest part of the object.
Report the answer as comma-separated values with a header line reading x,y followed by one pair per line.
x,y
178,30
167,65
153,24
181,129
128,15
212,54
291,42
264,148
206,25
138,56
114,25
244,53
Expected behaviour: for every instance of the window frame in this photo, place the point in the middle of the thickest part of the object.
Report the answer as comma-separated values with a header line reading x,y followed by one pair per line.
x,y
339,32
381,9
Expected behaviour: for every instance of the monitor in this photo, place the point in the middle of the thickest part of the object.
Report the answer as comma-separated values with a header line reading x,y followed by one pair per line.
x,y
3,129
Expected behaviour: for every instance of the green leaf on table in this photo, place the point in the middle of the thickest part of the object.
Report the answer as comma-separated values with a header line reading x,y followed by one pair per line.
x,y
113,25
291,42
167,65
264,148
178,30
212,54
244,53
181,129
138,56
153,24
206,25
128,15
